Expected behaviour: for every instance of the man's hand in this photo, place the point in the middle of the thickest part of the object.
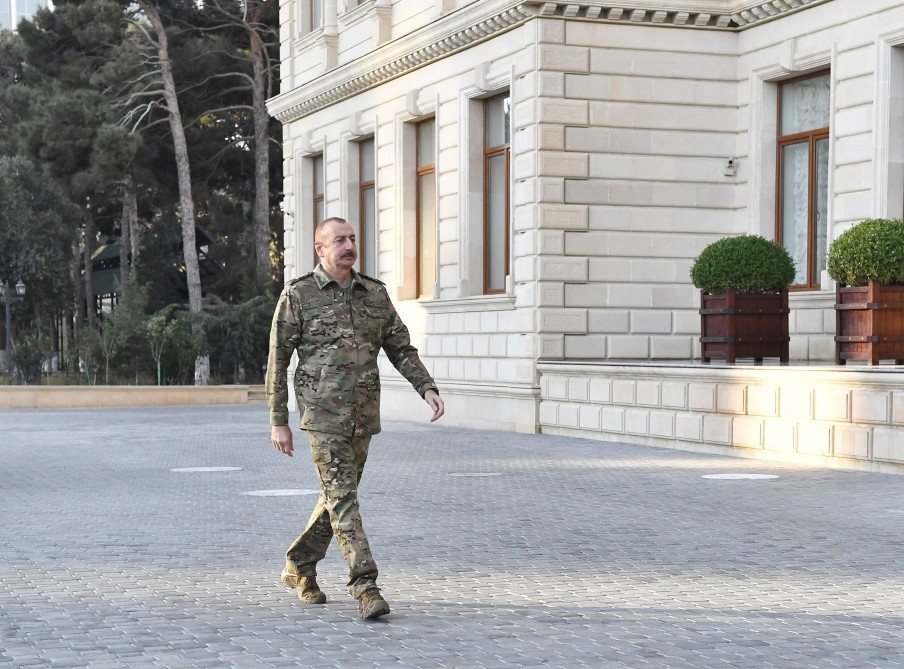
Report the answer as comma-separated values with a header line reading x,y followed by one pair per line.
x,y
436,403
281,436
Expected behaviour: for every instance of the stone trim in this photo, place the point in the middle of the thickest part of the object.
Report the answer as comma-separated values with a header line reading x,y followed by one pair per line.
x,y
50,397
738,14
360,76
464,32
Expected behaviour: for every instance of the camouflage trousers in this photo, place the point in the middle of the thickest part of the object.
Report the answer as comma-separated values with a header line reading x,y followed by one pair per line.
x,y
340,462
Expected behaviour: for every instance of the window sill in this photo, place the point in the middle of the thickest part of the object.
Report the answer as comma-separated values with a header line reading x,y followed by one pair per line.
x,y
357,14
308,40
474,303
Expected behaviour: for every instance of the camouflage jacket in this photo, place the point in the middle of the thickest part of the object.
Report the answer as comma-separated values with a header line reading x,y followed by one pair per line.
x,y
337,382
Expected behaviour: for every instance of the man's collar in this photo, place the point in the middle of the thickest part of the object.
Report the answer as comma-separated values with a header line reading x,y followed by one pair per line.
x,y
323,279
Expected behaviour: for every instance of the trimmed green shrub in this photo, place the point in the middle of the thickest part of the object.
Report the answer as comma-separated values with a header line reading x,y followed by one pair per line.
x,y
872,250
747,263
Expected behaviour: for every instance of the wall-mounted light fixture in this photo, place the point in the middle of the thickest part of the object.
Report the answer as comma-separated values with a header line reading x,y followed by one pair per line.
x,y
731,167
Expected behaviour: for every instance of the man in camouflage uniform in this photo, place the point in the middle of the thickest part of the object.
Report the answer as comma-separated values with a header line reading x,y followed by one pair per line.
x,y
337,320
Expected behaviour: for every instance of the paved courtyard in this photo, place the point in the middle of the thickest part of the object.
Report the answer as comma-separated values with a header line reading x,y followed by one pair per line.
x,y
496,550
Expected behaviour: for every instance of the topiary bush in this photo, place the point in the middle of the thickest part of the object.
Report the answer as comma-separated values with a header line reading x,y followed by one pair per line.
x,y
747,263
870,251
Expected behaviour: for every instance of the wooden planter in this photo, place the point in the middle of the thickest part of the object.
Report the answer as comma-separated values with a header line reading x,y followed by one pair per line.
x,y
869,323
739,325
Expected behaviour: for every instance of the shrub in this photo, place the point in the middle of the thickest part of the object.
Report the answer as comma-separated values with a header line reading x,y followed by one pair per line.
x,y
30,352
747,263
870,251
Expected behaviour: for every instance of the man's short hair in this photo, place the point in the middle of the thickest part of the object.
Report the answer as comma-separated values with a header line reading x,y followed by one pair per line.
x,y
325,222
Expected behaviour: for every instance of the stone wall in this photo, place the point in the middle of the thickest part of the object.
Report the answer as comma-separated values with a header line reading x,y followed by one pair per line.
x,y
847,417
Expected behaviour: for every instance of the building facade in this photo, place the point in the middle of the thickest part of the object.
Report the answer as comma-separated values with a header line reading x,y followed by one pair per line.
x,y
533,180
14,11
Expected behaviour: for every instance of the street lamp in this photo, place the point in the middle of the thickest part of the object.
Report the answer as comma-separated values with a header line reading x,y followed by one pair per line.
x,y
10,296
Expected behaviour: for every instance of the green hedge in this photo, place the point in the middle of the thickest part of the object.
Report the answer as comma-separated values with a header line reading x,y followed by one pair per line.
x,y
747,263
870,251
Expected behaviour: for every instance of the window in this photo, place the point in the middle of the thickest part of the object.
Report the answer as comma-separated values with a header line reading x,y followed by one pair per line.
x,y
315,14
426,207
309,16
367,208
317,200
496,170
803,165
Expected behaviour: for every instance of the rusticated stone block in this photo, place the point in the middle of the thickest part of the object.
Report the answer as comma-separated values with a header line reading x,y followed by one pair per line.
x,y
762,401
888,444
851,441
564,58
564,216
688,427
814,438
551,294
637,422
552,347
662,424
551,242
747,432
780,435
589,417
563,320
648,393
563,164
562,269
563,112
717,429
870,407
730,398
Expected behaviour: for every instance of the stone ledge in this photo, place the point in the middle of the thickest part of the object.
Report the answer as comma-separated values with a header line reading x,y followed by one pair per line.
x,y
840,416
57,397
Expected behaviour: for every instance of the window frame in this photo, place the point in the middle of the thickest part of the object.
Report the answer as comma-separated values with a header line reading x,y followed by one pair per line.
x,y
490,152
367,190
811,138
422,171
318,200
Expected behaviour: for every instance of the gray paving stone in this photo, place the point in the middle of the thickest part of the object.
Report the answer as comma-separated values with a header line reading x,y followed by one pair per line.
x,y
580,554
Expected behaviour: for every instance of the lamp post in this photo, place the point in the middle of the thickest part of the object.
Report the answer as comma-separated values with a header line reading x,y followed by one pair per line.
x,y
10,296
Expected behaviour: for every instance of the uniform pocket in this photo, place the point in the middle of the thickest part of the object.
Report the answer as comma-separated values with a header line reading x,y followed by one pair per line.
x,y
321,323
376,309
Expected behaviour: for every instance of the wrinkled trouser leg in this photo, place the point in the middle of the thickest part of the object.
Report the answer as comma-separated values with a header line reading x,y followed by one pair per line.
x,y
340,463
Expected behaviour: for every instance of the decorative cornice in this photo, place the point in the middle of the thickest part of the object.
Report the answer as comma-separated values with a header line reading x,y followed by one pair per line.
x,y
360,76
626,13
732,16
757,12
465,30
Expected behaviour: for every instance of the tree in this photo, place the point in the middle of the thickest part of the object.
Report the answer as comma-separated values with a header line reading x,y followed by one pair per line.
x,y
69,117
125,322
183,347
255,27
159,329
12,107
239,335
157,37
106,89
31,352
36,239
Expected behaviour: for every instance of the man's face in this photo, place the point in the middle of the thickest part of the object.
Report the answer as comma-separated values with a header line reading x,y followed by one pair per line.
x,y
336,247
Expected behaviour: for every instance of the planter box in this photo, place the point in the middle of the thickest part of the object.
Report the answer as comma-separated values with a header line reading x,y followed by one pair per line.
x,y
869,323
739,325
